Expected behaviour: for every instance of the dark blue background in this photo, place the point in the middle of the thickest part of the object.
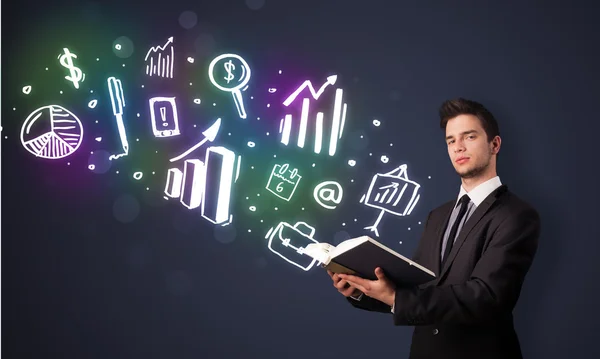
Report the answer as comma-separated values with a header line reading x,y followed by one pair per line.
x,y
77,283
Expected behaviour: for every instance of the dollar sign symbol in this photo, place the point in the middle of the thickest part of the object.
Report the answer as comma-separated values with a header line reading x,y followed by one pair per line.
x,y
229,67
75,74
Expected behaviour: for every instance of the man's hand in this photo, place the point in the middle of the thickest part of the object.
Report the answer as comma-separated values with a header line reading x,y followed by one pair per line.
x,y
381,289
342,285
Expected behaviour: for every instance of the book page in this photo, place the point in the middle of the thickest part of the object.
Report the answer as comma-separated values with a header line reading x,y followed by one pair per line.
x,y
347,245
319,251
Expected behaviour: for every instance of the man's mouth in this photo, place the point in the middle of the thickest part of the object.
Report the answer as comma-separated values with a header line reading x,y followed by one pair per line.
x,y
462,160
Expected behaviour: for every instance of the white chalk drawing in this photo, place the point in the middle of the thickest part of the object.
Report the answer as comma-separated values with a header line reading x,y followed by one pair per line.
x,y
75,74
288,242
168,123
51,132
194,179
391,192
209,135
216,196
328,194
283,181
174,183
27,89
337,124
207,184
237,170
115,90
187,185
159,60
231,73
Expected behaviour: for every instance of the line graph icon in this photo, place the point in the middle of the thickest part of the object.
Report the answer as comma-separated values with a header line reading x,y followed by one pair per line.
x,y
337,120
393,193
51,132
159,60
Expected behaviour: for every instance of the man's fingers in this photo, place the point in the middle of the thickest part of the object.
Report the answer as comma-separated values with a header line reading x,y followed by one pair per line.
x,y
348,291
354,279
357,286
341,285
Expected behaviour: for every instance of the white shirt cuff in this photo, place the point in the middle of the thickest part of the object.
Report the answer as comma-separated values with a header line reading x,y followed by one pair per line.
x,y
357,298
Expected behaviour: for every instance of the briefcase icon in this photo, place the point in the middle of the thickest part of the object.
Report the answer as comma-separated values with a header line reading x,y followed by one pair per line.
x,y
289,241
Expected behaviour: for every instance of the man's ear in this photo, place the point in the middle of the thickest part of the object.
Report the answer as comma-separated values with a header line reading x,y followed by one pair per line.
x,y
496,142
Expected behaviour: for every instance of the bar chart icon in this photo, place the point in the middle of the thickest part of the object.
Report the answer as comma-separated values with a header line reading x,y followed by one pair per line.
x,y
322,128
206,184
219,175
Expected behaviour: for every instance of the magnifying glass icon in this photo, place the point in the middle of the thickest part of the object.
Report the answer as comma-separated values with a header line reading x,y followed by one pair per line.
x,y
230,73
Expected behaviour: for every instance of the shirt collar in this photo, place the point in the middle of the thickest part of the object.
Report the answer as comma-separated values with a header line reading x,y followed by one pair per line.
x,y
479,193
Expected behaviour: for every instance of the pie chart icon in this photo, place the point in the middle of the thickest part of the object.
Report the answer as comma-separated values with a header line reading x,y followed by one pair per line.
x,y
51,132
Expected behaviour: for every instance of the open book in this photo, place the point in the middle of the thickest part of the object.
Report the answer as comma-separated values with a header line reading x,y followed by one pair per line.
x,y
361,255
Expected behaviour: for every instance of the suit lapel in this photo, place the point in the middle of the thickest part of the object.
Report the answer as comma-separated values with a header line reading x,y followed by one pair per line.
x,y
480,211
439,236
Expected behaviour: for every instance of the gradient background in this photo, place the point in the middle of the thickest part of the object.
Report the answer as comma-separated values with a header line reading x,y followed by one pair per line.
x,y
99,265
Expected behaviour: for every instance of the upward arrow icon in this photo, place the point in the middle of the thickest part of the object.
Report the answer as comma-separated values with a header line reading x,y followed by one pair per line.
x,y
316,94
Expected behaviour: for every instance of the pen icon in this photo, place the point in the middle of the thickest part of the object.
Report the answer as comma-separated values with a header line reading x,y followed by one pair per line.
x,y
117,100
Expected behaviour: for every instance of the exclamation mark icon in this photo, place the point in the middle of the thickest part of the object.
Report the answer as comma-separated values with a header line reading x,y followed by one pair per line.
x,y
163,116
166,108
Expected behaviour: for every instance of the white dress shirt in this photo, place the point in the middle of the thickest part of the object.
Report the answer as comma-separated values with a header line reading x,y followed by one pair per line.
x,y
476,196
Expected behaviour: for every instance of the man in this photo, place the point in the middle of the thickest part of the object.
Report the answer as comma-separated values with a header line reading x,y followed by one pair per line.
x,y
480,247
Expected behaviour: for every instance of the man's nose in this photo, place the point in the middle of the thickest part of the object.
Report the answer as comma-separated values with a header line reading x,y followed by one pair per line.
x,y
459,147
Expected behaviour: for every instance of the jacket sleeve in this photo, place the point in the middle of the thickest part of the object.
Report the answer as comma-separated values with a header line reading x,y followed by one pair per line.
x,y
493,288
370,304
374,305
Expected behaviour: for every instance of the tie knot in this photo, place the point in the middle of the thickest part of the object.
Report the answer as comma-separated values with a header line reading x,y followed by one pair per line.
x,y
464,199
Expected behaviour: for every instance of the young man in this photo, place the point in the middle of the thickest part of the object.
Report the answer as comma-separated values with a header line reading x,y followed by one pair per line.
x,y
480,246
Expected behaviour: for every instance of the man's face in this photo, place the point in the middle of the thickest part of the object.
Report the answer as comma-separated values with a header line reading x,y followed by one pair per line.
x,y
469,150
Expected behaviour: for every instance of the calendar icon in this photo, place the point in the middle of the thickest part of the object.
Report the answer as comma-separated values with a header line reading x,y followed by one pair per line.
x,y
283,181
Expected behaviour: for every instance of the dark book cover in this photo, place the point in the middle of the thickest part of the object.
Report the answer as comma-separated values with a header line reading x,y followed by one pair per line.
x,y
364,258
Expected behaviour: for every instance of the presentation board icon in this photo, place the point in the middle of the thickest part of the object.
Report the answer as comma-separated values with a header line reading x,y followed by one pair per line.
x,y
283,181
393,193
320,126
288,242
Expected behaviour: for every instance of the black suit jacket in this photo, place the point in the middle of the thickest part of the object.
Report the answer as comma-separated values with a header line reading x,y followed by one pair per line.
x,y
466,312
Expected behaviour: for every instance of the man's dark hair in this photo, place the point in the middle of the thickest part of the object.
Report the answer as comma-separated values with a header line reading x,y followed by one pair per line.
x,y
460,106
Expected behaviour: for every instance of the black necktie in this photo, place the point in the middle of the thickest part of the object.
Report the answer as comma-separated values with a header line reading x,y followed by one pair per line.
x,y
464,201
